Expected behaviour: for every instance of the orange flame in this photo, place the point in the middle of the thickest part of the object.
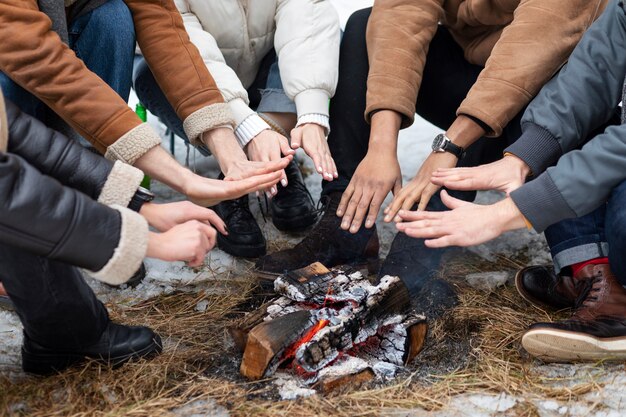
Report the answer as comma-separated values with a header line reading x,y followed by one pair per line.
x,y
306,338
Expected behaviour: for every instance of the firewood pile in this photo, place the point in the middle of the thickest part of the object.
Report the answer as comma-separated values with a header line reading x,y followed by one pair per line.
x,y
330,328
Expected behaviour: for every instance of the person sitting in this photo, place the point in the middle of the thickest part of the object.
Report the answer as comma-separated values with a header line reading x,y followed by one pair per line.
x,y
243,44
576,196
63,207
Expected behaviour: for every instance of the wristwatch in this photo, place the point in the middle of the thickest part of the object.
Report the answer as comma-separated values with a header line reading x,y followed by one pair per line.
x,y
442,143
141,196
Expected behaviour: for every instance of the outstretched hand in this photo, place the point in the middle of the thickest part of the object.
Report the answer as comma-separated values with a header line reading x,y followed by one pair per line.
x,y
506,175
466,224
188,242
377,175
165,216
269,146
208,192
312,139
420,189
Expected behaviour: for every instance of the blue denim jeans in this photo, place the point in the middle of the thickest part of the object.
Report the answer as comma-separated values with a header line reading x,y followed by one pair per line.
x,y
266,94
600,233
104,39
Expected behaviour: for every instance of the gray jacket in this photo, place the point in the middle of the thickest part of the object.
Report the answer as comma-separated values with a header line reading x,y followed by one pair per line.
x,y
567,111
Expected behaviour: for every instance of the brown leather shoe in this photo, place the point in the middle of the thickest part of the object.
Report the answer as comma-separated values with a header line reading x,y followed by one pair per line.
x,y
596,330
326,243
540,286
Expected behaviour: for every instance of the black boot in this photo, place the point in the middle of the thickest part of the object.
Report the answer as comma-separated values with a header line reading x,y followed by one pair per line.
x,y
245,238
292,209
326,243
117,345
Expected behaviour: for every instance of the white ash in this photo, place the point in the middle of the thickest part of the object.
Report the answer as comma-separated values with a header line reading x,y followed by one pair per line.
x,y
349,365
487,281
290,388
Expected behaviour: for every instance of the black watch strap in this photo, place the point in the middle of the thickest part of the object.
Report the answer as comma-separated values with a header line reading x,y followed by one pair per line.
x,y
454,149
442,143
141,196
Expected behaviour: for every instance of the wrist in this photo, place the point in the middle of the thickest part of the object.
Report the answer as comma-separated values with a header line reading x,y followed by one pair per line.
x,y
464,131
384,131
154,245
510,216
518,164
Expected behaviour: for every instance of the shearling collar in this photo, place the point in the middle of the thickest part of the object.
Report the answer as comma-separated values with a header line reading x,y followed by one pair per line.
x,y
4,128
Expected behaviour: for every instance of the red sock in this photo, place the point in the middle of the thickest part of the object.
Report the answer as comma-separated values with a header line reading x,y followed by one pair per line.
x,y
597,261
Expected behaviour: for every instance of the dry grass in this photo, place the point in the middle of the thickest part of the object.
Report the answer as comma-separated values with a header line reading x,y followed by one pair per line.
x,y
479,339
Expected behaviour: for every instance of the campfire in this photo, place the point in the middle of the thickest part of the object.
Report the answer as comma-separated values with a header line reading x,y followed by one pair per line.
x,y
330,327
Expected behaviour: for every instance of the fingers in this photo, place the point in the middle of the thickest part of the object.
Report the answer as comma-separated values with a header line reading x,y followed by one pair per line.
x,y
374,208
285,149
397,204
236,189
345,198
296,138
216,221
452,202
351,207
361,209
409,216
427,194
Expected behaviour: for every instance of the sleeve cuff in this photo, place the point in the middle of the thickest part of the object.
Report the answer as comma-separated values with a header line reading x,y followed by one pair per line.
x,y
541,203
250,128
240,109
312,102
121,185
537,147
318,119
133,145
130,251
207,118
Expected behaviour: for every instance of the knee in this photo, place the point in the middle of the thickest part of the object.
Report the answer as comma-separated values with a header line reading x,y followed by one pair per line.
x,y
142,77
357,23
115,22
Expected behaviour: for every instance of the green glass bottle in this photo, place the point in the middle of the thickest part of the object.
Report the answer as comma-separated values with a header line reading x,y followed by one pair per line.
x,y
140,109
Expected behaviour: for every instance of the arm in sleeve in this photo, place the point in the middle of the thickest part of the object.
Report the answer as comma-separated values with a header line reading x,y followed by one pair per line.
x,y
40,215
530,51
398,36
70,163
580,99
307,43
178,67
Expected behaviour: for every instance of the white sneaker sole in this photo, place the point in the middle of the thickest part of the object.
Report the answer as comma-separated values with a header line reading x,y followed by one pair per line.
x,y
553,345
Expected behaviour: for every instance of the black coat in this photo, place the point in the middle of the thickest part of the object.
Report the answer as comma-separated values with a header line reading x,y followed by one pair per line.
x,y
48,188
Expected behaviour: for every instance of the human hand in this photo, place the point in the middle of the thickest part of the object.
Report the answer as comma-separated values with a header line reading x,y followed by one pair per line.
x,y
312,139
420,189
208,192
506,175
165,216
187,242
466,224
268,146
377,174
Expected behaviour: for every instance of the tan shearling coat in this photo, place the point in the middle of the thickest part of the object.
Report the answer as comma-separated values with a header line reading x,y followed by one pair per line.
x,y
521,44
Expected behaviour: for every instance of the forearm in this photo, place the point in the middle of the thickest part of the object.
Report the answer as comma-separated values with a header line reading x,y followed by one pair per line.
x,y
224,146
384,131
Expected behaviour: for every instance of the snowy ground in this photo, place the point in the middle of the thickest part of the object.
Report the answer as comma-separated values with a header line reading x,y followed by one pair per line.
x,y
220,267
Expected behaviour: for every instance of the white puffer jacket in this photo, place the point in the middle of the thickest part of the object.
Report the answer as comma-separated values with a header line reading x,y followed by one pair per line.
x,y
234,36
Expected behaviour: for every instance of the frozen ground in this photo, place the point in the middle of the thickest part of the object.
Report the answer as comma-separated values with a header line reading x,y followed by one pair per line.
x,y
605,401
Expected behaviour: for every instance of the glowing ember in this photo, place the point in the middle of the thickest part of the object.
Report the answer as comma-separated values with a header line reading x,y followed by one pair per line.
x,y
291,351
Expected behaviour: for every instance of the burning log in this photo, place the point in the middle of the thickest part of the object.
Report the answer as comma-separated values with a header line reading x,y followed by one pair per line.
x,y
333,326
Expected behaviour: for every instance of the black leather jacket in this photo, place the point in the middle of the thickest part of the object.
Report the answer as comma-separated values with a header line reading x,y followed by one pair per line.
x,y
48,191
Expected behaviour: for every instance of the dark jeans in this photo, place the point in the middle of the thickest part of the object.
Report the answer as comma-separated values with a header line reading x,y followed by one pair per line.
x,y
600,233
56,306
266,94
447,78
104,39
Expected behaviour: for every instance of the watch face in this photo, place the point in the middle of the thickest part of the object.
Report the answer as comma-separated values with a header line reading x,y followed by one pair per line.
x,y
438,143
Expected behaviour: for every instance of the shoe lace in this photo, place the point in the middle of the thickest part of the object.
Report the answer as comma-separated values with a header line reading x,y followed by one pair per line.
x,y
588,295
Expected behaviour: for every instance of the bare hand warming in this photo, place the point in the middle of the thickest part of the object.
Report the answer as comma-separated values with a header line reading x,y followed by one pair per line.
x,y
506,175
269,146
165,216
466,224
187,242
312,139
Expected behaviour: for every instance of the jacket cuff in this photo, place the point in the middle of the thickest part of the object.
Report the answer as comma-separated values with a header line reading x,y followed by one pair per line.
x,y
541,202
318,119
205,119
250,128
240,109
121,185
133,145
312,102
130,251
537,147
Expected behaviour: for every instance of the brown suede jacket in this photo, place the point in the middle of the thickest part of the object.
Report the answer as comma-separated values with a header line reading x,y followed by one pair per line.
x,y
4,129
521,44
35,57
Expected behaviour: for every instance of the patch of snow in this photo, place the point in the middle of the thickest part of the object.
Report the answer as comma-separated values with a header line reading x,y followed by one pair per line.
x,y
201,408
290,389
487,281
